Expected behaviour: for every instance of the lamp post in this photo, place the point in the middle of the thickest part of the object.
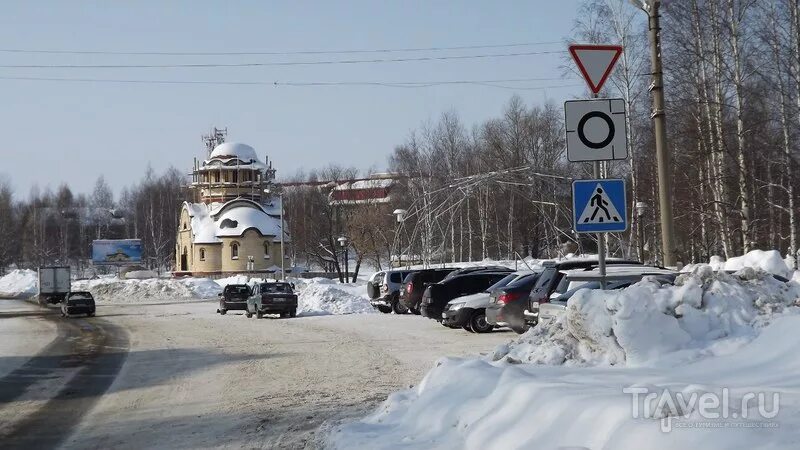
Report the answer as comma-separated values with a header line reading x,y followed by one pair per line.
x,y
343,242
401,216
641,208
651,7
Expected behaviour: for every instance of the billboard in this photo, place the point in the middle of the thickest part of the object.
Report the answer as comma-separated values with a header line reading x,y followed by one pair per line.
x,y
116,252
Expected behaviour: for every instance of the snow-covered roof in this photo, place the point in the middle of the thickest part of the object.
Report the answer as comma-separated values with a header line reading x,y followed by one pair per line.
x,y
228,151
365,184
210,222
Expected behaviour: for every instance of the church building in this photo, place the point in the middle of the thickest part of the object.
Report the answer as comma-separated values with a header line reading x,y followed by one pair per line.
x,y
234,224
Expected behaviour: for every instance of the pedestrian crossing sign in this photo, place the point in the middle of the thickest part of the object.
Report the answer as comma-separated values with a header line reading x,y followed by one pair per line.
x,y
599,206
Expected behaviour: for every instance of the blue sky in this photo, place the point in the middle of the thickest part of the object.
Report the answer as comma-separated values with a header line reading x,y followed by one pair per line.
x,y
72,132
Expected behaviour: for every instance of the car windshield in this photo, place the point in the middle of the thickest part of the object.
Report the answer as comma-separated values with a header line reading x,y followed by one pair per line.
x,y
80,296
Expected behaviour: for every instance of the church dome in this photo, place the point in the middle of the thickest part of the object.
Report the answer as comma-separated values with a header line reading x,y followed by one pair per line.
x,y
228,150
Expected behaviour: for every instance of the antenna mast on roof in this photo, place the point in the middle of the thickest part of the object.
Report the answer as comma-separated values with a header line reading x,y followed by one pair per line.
x,y
213,139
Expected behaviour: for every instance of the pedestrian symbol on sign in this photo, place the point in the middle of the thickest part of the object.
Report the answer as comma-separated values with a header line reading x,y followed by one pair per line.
x,y
599,206
600,209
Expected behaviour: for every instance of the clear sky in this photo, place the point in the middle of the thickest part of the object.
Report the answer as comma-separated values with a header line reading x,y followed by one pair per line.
x,y
57,131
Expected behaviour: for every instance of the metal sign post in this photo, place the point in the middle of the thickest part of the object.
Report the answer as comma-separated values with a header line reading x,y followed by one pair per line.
x,y
596,131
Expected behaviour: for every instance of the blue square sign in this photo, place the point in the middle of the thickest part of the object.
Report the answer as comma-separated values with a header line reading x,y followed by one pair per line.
x,y
599,206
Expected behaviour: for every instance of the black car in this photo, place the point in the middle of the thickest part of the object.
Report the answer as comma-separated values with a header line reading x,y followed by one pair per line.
x,y
78,302
233,298
552,279
437,295
507,304
415,283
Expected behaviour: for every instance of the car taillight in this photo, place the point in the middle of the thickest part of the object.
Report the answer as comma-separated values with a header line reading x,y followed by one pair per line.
x,y
508,297
410,287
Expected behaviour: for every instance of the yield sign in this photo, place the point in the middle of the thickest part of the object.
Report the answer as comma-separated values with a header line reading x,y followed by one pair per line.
x,y
595,62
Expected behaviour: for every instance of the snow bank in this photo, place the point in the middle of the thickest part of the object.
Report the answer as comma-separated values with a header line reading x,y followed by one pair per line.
x,y
704,313
769,261
18,283
140,274
323,296
710,333
112,289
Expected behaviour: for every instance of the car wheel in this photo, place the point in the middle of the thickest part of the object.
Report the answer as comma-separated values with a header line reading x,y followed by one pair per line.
x,y
248,314
293,313
223,311
467,327
62,314
91,314
478,323
259,315
385,309
399,308
415,311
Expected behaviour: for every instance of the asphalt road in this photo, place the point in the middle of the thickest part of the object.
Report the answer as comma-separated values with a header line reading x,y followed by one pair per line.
x,y
180,376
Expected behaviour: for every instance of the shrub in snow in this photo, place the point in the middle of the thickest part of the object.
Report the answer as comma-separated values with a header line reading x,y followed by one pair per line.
x,y
704,313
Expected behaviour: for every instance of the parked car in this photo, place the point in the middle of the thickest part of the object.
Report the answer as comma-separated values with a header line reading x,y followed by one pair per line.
x,y
383,289
469,312
552,280
506,305
617,279
272,298
415,283
78,302
233,298
437,295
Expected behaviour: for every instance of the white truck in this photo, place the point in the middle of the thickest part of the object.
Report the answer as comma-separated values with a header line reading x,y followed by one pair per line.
x,y
54,284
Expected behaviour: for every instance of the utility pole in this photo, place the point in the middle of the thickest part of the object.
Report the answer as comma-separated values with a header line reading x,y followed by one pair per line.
x,y
652,7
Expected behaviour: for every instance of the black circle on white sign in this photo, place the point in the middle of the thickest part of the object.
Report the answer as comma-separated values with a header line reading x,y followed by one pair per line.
x,y
582,135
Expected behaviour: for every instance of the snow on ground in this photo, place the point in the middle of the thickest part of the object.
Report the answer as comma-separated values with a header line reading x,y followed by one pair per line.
x,y
713,337
19,282
323,296
113,289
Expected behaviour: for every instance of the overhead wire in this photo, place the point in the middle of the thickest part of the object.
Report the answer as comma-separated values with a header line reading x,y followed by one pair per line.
x,y
274,53
278,63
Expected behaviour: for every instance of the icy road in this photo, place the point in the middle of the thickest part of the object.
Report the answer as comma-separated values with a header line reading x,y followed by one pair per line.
x,y
180,376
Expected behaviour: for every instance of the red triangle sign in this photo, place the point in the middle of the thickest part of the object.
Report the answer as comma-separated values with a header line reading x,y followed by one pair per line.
x,y
595,62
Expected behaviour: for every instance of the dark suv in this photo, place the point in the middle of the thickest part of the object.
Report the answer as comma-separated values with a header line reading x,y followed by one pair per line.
x,y
437,295
551,280
415,283
234,298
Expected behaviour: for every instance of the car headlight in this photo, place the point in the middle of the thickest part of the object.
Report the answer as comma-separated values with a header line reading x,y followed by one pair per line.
x,y
455,306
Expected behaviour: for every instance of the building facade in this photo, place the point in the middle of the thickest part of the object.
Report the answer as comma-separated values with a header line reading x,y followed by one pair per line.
x,y
233,226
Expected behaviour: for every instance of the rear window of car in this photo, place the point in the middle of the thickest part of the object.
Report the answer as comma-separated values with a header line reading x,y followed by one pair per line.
x,y
81,296
395,277
276,287
237,289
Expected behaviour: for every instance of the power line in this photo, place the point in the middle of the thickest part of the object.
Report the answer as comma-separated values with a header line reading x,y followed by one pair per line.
x,y
275,63
391,84
274,53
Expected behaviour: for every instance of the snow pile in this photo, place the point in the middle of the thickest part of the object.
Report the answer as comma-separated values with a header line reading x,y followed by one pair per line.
x,y
235,279
728,337
769,261
112,289
19,282
704,313
323,296
140,275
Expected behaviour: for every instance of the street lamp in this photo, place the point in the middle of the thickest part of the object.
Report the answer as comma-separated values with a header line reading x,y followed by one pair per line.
x,y
651,7
401,216
283,232
641,208
343,243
